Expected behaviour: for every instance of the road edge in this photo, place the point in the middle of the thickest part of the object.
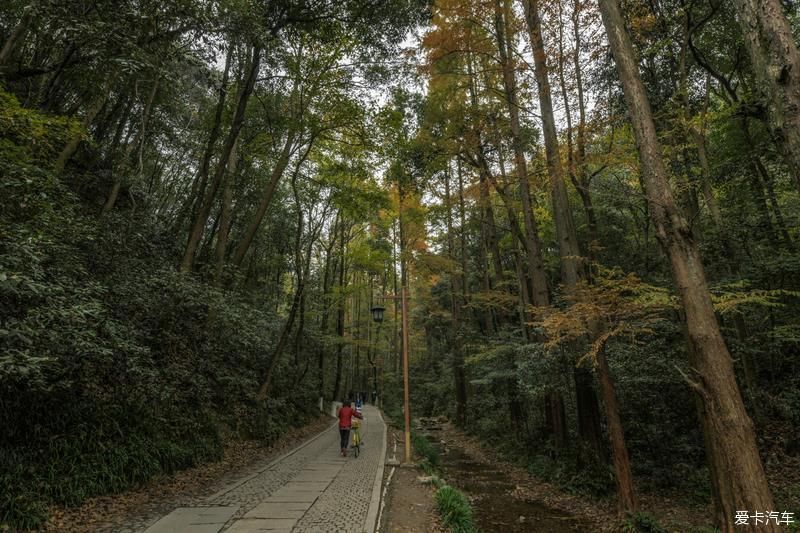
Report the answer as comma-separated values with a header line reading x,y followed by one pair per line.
x,y
371,521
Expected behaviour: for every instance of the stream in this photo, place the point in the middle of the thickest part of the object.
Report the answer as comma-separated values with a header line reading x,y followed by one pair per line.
x,y
490,491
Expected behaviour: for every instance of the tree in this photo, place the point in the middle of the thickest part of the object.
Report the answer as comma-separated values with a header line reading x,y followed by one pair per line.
x,y
776,64
737,473
504,35
571,267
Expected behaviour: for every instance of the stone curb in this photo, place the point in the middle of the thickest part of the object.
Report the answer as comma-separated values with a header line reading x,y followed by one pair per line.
x,y
370,523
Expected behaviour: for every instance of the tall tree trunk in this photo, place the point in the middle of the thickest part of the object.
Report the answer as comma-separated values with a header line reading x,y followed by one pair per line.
x,y
490,247
699,137
588,414
729,432
489,225
198,227
776,64
340,312
760,197
401,239
17,34
72,145
225,218
396,346
757,186
562,82
505,40
456,281
119,114
688,189
769,189
138,141
555,418
492,243
705,167
266,198
572,268
516,232
200,182
47,100
626,497
581,178
301,323
571,262
327,273
283,340
462,236
355,325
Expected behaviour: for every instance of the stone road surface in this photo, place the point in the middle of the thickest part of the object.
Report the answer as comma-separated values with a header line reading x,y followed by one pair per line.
x,y
311,488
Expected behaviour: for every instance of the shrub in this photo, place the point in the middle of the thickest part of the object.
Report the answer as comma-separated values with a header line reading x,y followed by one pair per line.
x,y
641,523
455,510
425,449
113,367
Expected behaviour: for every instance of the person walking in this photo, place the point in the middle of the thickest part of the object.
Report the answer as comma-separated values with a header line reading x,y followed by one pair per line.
x,y
346,414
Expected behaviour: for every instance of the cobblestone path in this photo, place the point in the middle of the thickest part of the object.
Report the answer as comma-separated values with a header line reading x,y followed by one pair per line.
x,y
310,489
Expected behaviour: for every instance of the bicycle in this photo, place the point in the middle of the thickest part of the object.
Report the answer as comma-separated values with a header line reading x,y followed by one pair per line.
x,y
356,430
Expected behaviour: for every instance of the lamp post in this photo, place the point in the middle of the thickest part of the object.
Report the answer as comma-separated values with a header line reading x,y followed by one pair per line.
x,y
377,316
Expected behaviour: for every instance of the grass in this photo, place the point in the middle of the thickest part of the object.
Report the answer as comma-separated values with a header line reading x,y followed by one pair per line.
x,y
452,504
455,510
71,470
424,449
641,523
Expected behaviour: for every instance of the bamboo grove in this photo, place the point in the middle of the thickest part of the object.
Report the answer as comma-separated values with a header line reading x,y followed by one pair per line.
x,y
592,203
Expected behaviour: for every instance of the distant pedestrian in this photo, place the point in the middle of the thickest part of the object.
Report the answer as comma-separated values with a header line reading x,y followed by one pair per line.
x,y
346,414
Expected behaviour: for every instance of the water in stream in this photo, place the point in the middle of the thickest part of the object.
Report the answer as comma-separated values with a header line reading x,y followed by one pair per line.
x,y
490,491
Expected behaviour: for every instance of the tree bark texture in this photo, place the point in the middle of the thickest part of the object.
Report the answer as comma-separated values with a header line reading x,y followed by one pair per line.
x,y
225,218
138,141
776,63
266,198
626,496
538,277
17,34
740,481
455,310
340,310
571,262
72,145
199,185
198,227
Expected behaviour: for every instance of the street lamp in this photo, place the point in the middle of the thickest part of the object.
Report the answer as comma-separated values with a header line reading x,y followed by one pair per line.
x,y
377,313
377,316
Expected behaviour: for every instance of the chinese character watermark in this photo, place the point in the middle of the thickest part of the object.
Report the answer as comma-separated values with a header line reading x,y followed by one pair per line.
x,y
757,518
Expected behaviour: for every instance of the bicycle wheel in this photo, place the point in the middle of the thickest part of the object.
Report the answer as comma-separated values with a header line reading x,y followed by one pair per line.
x,y
356,443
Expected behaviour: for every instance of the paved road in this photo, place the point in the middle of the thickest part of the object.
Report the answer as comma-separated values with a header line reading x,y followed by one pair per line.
x,y
310,489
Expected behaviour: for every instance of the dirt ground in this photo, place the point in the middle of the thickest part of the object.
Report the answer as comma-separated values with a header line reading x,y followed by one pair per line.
x,y
408,504
505,497
593,515
534,504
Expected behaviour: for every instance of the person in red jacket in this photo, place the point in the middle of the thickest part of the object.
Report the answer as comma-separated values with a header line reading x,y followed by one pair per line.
x,y
346,414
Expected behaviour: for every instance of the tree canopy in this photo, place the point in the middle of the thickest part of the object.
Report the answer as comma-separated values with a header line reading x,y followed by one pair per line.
x,y
592,204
